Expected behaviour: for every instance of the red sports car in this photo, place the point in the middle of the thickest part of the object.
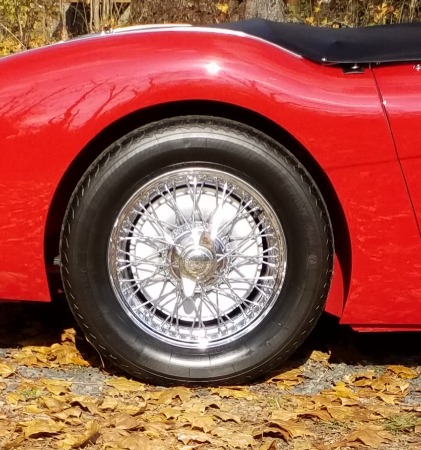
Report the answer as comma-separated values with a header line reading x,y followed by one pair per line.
x,y
202,194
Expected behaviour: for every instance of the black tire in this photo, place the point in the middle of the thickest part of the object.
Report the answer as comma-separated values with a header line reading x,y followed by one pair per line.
x,y
258,162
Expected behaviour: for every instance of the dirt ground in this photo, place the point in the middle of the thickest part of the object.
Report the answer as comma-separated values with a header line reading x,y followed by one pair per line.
x,y
341,390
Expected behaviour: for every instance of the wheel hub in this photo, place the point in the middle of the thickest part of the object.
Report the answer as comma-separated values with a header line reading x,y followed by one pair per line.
x,y
194,255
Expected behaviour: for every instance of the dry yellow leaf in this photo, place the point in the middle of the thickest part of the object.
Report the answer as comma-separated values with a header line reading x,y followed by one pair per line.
x,y
350,414
87,403
223,7
68,335
294,429
66,354
226,417
73,440
280,414
122,384
40,427
133,410
69,413
200,422
56,387
6,370
342,391
15,443
167,397
319,414
53,404
135,442
193,436
403,372
317,355
109,404
233,392
125,421
13,398
170,412
371,438
234,439
387,398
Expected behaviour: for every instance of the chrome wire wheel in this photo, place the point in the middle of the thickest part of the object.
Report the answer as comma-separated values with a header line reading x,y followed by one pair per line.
x,y
197,257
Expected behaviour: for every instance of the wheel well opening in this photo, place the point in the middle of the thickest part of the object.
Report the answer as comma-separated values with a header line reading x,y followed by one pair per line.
x,y
135,120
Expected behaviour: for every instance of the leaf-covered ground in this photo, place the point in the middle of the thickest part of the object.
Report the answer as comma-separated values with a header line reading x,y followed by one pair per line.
x,y
340,391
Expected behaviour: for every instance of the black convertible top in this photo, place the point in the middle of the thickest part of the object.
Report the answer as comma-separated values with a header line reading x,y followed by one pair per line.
x,y
375,44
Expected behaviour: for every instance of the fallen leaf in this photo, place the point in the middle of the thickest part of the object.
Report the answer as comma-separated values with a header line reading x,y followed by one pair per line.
x,y
317,355
134,442
79,440
234,439
294,429
15,443
226,417
167,397
40,427
193,436
204,423
371,438
125,422
233,392
53,404
6,370
56,387
223,7
122,384
403,372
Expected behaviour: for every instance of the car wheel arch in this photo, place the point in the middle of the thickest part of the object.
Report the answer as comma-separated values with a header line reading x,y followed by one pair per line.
x,y
132,121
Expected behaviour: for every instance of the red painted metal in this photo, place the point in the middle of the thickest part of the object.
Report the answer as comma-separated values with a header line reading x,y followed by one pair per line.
x,y
55,100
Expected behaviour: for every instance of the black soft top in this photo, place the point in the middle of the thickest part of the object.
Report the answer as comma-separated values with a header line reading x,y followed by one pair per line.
x,y
375,44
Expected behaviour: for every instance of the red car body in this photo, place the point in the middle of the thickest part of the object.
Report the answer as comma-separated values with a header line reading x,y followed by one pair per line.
x,y
357,133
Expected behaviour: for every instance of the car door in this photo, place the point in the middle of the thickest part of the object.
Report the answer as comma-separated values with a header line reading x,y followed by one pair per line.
x,y
400,90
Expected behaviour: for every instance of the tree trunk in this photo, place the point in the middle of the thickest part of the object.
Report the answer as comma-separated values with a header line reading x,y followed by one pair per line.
x,y
266,9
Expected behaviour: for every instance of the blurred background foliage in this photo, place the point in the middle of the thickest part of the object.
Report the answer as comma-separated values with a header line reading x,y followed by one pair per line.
x,y
30,23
